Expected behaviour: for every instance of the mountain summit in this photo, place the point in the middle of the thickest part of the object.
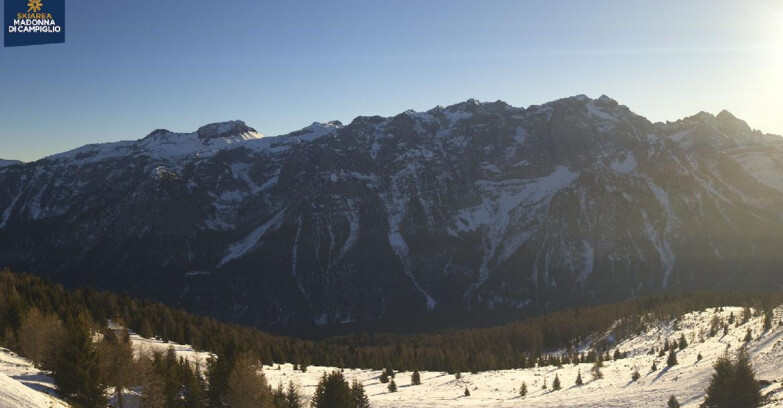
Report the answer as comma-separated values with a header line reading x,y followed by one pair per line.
x,y
477,206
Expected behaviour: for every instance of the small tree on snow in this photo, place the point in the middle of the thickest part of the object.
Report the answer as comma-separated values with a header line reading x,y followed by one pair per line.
x,y
467,392
683,343
523,389
556,383
635,375
671,361
579,378
392,386
673,403
596,370
415,378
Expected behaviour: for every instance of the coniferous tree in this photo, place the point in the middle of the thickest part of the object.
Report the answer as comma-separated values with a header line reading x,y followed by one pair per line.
x,y
193,385
116,358
293,397
746,315
247,387
332,392
523,389
683,343
392,386
556,383
699,357
40,338
671,361
767,320
748,336
359,396
77,371
384,378
733,384
654,367
596,369
578,378
278,396
635,375
415,378
673,403
467,392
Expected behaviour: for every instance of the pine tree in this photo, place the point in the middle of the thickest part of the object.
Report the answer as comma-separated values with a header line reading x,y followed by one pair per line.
x,y
767,320
673,403
467,392
671,361
77,369
683,343
699,357
523,389
596,370
247,387
635,375
733,384
332,392
293,398
359,396
746,315
556,383
748,336
617,355
384,378
579,378
392,386
278,396
116,357
654,367
415,378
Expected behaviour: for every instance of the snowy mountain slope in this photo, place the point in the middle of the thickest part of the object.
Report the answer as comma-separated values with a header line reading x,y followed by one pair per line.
x,y
687,380
476,206
24,386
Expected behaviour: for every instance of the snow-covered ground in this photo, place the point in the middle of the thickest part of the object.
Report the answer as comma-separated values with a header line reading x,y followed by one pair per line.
x,y
21,385
24,386
687,380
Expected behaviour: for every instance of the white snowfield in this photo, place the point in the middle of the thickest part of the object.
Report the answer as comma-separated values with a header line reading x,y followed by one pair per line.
x,y
24,386
21,385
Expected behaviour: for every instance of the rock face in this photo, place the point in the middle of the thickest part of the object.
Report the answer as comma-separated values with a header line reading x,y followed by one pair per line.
x,y
477,206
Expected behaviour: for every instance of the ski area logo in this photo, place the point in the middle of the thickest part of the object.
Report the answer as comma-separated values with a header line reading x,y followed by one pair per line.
x,y
31,22
35,5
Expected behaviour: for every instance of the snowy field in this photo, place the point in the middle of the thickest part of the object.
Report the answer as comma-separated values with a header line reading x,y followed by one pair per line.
x,y
687,380
21,385
24,386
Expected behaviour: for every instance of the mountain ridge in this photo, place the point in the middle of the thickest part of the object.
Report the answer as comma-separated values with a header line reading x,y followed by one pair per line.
x,y
474,206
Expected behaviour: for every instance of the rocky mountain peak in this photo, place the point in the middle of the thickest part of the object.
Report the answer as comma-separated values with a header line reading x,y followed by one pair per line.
x,y
224,129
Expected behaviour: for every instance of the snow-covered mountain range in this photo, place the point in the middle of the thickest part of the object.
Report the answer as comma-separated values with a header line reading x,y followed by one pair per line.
x,y
476,206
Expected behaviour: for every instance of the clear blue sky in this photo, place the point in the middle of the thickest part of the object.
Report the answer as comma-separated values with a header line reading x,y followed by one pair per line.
x,y
128,67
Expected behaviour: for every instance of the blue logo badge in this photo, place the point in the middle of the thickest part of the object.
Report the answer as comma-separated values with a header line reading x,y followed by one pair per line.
x,y
32,22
